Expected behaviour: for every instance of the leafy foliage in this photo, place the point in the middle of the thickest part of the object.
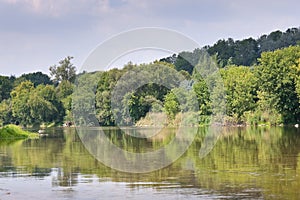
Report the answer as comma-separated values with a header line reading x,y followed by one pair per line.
x,y
261,79
15,132
6,112
37,78
171,106
240,88
6,85
240,52
278,75
35,105
66,71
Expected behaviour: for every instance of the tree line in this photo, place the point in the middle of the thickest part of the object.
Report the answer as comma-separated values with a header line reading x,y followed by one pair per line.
x,y
260,80
240,52
267,92
35,98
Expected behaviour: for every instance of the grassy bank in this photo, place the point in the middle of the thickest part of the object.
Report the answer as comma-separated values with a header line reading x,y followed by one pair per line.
x,y
15,132
190,119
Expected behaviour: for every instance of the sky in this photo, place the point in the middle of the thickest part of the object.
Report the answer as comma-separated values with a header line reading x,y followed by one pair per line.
x,y
36,34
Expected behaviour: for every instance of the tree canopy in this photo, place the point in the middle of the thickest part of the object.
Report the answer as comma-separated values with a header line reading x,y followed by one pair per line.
x,y
65,71
260,79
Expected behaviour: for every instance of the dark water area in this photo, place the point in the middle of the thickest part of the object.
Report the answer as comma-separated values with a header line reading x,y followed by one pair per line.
x,y
245,163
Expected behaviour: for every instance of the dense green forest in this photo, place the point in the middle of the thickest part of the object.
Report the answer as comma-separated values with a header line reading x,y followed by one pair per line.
x,y
240,52
35,98
261,79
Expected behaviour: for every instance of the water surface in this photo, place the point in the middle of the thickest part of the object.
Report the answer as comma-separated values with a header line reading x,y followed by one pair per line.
x,y
245,163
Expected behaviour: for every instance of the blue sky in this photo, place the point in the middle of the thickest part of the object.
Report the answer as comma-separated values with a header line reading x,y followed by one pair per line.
x,y
35,34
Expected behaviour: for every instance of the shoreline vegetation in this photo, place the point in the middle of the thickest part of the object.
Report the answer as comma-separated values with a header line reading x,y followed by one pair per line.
x,y
258,78
16,132
161,120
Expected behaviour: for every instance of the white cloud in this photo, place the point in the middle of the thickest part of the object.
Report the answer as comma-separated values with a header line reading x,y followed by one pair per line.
x,y
60,8
37,6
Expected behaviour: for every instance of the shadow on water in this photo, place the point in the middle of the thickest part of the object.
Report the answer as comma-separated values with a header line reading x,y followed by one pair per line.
x,y
244,163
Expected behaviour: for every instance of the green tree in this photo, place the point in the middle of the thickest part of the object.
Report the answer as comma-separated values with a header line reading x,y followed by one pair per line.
x,y
83,99
187,60
245,52
6,85
297,80
105,86
64,89
171,105
156,80
52,109
296,75
224,50
203,96
240,86
64,71
20,102
64,92
6,112
37,78
32,106
277,79
139,104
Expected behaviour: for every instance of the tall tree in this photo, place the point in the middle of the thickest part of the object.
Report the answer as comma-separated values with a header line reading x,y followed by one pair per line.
x,y
6,85
224,49
37,78
171,105
32,106
64,71
187,60
6,112
245,52
20,102
277,80
239,82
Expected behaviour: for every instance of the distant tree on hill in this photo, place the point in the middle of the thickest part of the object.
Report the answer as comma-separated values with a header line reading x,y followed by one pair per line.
x,y
240,52
37,78
64,71
6,85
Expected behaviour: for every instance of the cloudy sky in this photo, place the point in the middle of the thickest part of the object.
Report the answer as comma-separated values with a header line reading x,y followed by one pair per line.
x,y
35,34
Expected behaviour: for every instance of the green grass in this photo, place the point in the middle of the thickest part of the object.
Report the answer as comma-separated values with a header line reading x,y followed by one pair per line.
x,y
15,132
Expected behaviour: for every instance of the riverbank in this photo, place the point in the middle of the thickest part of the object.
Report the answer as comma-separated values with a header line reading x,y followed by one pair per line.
x,y
194,120
15,132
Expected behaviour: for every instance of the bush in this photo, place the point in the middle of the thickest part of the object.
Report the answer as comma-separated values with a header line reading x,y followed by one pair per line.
x,y
15,132
270,117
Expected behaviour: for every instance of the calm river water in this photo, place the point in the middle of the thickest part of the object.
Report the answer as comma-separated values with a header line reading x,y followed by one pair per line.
x,y
245,163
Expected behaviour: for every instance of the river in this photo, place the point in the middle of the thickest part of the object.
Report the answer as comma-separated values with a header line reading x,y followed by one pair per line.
x,y
244,163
